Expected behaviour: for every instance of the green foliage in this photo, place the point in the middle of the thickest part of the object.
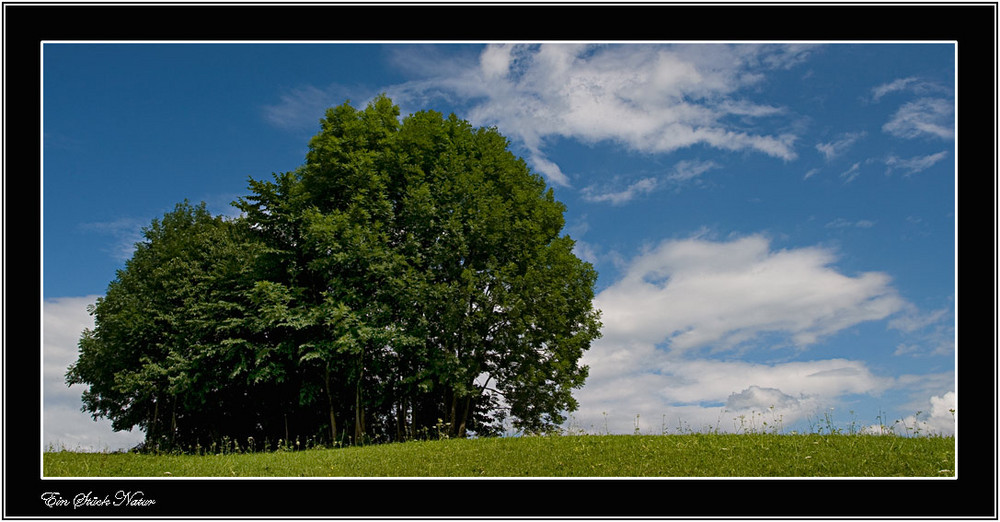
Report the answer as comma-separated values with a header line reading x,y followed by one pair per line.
x,y
169,331
409,280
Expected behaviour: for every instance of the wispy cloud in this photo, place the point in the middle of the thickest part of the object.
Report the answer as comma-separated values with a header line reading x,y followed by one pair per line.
x,y
645,98
915,164
125,233
897,85
688,170
620,197
302,104
926,117
852,173
683,172
930,115
926,334
845,223
302,108
910,85
837,147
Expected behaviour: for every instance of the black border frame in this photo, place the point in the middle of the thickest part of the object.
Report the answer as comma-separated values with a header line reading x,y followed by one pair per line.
x,y
972,495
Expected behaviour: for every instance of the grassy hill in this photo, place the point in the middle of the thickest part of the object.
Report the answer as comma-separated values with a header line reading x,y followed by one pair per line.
x,y
683,455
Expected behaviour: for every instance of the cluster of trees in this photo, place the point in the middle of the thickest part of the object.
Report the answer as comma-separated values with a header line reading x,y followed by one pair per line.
x,y
409,280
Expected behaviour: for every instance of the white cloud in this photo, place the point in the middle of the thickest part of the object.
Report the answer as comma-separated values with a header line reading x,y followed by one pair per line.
x,y
844,223
645,98
638,379
927,334
910,84
126,232
940,418
683,172
915,164
64,425
760,398
299,108
837,147
681,308
687,170
495,61
643,186
304,107
585,251
695,293
913,320
852,173
925,117
901,84
548,168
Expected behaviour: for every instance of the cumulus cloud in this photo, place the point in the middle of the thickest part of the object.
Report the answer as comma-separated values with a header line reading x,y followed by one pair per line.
x,y
940,417
64,425
761,398
642,97
64,320
630,379
681,308
695,293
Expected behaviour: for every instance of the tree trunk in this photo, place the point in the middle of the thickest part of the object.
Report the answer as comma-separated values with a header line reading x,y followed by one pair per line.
x,y
173,423
452,425
359,416
413,418
333,417
151,434
465,417
399,421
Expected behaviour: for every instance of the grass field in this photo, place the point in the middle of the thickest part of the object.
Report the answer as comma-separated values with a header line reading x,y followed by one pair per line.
x,y
682,455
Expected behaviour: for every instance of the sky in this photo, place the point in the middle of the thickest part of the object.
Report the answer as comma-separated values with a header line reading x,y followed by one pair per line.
x,y
773,225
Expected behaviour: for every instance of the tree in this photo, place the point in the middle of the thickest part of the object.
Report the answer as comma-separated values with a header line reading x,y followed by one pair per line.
x,y
410,279
168,333
439,238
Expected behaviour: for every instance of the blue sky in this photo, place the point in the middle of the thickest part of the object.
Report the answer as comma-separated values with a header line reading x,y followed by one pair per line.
x,y
773,225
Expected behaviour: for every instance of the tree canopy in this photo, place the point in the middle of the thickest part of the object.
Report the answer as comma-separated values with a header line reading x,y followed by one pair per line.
x,y
410,279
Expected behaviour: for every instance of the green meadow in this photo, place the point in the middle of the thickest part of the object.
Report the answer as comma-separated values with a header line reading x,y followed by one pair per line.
x,y
681,455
